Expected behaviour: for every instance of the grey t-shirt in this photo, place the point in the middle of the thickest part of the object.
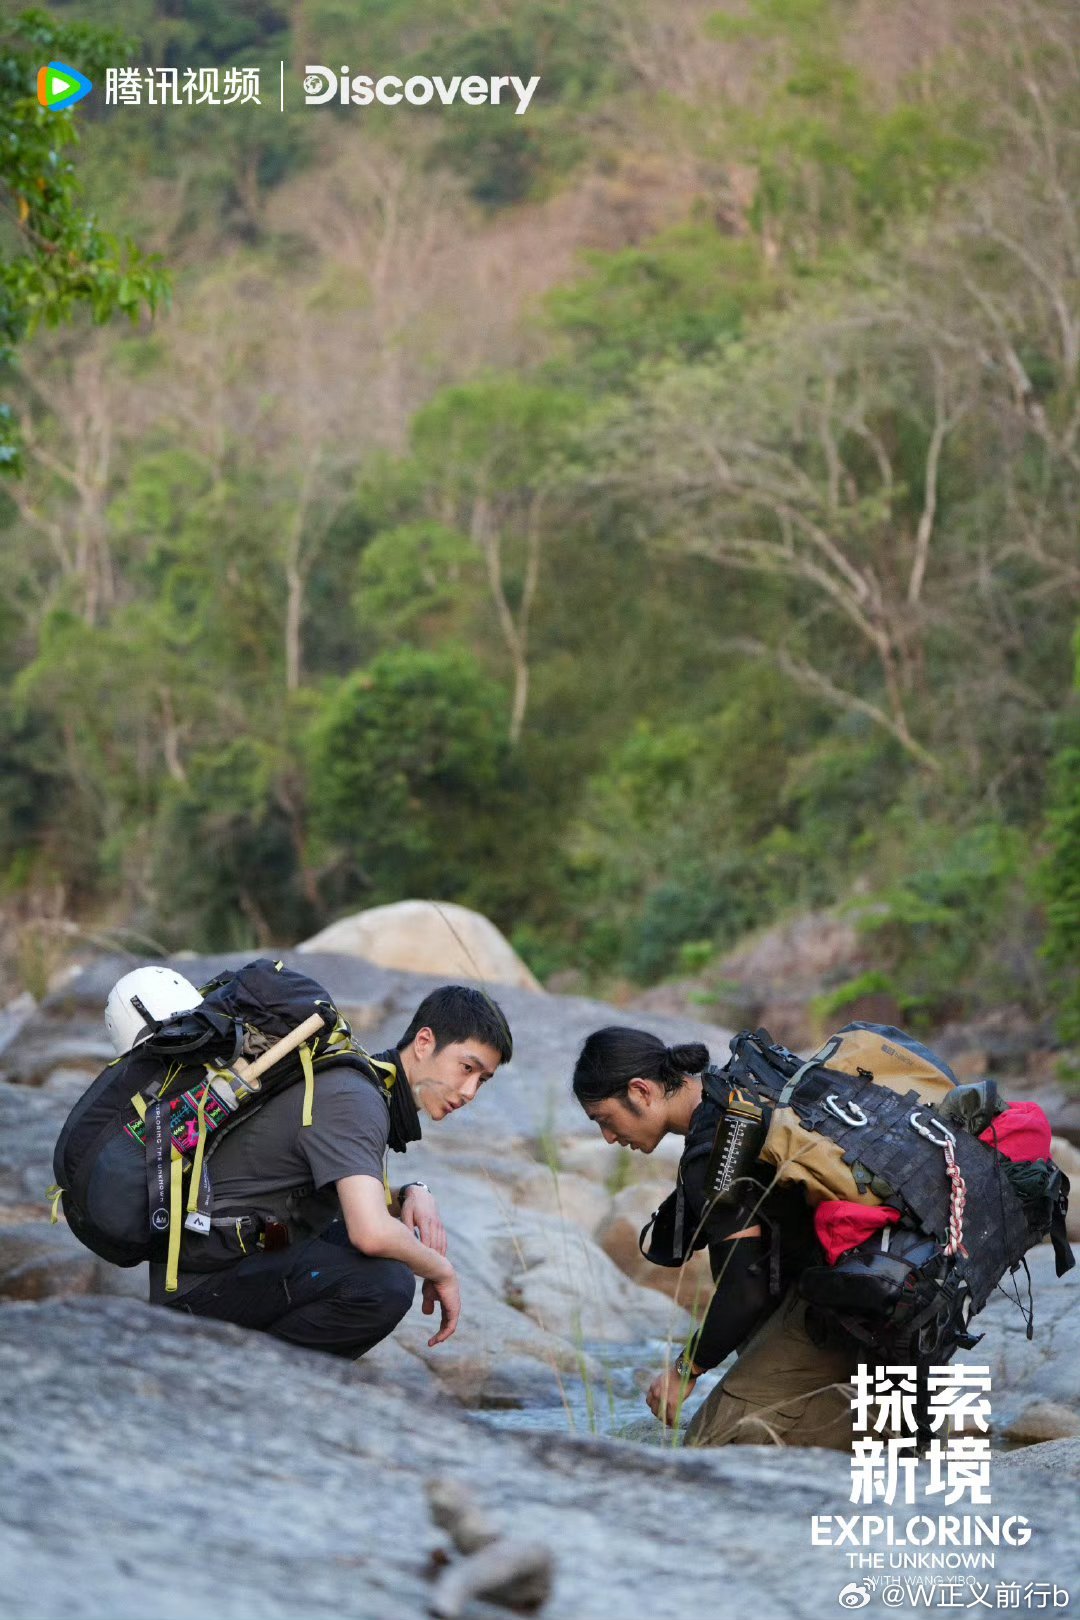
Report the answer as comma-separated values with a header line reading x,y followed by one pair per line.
x,y
275,1166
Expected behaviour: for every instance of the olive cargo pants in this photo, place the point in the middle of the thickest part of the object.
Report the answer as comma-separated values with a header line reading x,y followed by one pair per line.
x,y
785,1389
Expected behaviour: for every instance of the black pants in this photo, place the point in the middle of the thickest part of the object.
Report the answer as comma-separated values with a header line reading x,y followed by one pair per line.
x,y
322,1294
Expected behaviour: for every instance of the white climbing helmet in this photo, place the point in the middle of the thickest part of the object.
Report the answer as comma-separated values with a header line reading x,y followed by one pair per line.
x,y
161,991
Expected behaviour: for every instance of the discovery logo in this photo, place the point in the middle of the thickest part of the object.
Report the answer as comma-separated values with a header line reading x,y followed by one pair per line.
x,y
322,84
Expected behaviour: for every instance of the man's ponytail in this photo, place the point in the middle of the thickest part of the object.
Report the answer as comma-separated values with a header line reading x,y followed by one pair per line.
x,y
614,1056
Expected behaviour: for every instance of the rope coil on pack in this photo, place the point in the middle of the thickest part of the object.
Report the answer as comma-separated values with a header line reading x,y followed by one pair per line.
x,y
946,1141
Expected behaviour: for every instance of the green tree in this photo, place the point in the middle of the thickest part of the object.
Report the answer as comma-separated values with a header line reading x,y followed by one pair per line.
x,y
488,460
683,294
54,258
419,578
409,773
227,866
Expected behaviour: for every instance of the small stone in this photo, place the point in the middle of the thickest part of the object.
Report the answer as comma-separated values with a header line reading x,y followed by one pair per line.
x,y
515,1575
455,1510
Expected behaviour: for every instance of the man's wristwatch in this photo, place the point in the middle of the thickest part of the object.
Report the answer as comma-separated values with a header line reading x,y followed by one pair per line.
x,y
403,1190
684,1367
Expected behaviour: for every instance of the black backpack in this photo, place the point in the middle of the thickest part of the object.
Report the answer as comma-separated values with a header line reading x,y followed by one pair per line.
x,y
899,1294
131,1162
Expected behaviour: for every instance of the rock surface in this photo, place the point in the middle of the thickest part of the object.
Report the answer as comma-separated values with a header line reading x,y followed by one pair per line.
x,y
531,1198
428,936
1045,1368
305,1487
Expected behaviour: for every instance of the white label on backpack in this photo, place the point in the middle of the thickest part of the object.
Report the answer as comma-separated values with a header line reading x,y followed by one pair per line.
x,y
197,1222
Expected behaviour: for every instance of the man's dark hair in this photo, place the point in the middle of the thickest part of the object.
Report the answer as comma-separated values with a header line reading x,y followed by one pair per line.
x,y
612,1057
457,1012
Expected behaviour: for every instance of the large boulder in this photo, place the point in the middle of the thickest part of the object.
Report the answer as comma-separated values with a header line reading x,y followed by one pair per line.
x,y
427,936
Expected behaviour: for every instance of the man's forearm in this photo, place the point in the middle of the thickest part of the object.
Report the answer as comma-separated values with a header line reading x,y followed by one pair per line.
x,y
394,1241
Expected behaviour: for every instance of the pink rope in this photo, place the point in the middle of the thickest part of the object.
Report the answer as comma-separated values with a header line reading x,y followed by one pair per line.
x,y
958,1189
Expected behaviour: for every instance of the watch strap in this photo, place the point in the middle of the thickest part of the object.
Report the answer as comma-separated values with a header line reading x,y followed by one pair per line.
x,y
404,1189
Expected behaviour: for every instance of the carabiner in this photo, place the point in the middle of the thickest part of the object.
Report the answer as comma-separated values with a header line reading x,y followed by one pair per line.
x,y
855,1118
939,1140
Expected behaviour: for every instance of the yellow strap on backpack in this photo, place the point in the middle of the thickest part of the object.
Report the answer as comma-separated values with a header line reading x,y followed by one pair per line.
x,y
176,1202
388,1073
55,1193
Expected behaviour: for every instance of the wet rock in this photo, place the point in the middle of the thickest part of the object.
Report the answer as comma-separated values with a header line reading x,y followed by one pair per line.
x,y
535,1288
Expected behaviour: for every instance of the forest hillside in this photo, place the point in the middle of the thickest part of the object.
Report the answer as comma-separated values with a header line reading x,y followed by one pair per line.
x,y
643,520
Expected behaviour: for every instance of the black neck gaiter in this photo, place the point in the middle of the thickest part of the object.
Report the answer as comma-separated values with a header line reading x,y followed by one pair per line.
x,y
404,1119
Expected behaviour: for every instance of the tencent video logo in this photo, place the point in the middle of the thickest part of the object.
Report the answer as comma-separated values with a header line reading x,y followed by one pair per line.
x,y
61,86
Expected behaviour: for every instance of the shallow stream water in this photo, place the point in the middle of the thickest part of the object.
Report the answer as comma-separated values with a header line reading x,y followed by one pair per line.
x,y
612,1404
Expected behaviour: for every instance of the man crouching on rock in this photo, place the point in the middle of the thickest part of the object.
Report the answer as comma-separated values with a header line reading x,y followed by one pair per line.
x,y
789,1383
321,1258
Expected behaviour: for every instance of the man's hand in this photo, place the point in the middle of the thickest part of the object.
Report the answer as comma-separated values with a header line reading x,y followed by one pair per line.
x,y
420,1213
666,1394
448,1294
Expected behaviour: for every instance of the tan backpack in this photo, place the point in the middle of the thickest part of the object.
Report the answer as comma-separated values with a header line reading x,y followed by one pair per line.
x,y
806,1158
